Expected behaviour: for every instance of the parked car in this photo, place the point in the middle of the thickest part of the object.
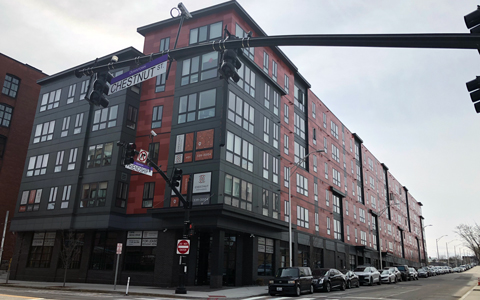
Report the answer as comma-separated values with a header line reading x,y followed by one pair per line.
x,y
326,279
423,272
432,271
351,278
368,275
405,272
292,280
388,276
413,273
398,274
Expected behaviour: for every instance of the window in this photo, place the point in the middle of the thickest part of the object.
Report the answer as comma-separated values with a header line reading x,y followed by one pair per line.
x,y
41,250
266,102
348,233
316,222
266,157
286,178
265,62
44,132
372,182
315,163
363,238
205,33
346,207
266,129
190,109
337,230
71,93
274,70
248,52
265,202
140,258
72,159
299,98
239,152
285,143
84,89
287,84
94,194
104,249
3,142
315,191
336,204
240,112
336,177
122,194
59,161
328,225
50,100
199,68
285,113
265,257
5,115
99,155
148,194
37,165
275,135
65,126
30,200
361,213
132,117
66,196
286,209
302,217
78,123
52,197
275,169
327,198
334,129
299,124
160,83
153,150
276,103
10,85
325,145
276,206
374,201
299,154
335,153
326,170
105,118
324,120
157,116
247,80
238,192
302,185
314,114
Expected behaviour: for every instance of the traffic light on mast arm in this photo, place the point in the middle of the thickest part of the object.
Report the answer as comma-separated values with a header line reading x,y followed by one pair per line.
x,y
474,88
130,153
230,62
472,20
100,89
176,177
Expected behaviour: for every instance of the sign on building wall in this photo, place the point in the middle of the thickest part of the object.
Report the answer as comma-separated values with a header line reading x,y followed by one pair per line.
x,y
201,182
142,238
192,146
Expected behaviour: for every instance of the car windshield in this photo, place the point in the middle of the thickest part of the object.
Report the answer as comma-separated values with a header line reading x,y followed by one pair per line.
x,y
385,272
287,272
319,272
401,268
359,269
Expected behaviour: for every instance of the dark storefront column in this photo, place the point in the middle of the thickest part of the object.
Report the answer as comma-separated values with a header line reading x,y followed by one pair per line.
x,y
216,277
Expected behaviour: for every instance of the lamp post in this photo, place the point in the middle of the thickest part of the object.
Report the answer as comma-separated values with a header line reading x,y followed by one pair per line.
x,y
290,202
425,245
379,245
438,257
448,257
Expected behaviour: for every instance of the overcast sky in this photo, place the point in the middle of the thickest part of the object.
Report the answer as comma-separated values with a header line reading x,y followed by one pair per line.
x,y
410,107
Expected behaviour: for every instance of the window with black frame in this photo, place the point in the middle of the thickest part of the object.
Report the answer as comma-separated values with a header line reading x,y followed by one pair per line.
x,y
10,85
265,257
94,194
199,68
3,143
103,251
205,33
139,259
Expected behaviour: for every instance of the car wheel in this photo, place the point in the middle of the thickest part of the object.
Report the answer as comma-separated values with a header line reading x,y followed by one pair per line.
x,y
342,287
328,288
349,284
298,292
311,289
371,281
271,294
358,284
379,281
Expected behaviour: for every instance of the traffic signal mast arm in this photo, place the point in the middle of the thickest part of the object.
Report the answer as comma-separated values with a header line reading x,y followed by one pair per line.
x,y
432,41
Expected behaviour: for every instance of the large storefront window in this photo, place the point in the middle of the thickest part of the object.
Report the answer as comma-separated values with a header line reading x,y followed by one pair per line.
x,y
41,251
265,257
303,256
103,252
229,259
139,254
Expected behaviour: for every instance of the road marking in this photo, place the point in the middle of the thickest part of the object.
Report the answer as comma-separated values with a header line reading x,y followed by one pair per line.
x,y
23,297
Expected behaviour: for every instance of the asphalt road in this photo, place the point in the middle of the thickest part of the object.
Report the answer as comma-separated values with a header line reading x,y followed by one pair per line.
x,y
443,287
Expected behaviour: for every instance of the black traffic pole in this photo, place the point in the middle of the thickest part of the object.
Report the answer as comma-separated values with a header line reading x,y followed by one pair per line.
x,y
181,289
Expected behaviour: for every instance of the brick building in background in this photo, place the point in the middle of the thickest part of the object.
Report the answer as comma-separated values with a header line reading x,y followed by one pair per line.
x,y
18,101
237,142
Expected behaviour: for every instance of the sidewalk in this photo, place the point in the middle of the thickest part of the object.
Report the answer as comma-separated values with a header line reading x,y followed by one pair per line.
x,y
193,292
474,292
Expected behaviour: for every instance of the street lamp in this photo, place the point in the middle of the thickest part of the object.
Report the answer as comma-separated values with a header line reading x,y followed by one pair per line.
x,y
424,244
448,257
438,257
379,245
290,202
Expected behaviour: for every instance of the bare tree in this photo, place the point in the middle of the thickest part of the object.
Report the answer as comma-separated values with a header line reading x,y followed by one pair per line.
x,y
471,236
71,247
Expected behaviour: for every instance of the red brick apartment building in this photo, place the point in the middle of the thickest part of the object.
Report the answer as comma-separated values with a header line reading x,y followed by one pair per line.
x,y
18,101
239,142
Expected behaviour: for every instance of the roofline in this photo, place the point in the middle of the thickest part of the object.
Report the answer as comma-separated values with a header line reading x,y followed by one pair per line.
x,y
27,65
233,4
105,58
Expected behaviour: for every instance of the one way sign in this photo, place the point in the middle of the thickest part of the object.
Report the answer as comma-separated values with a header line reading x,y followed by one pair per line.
x,y
142,156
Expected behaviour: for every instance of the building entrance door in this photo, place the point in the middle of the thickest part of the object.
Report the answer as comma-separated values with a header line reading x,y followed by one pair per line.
x,y
202,272
229,259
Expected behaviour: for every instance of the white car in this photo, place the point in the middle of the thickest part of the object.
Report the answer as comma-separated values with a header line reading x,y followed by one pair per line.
x,y
368,275
388,276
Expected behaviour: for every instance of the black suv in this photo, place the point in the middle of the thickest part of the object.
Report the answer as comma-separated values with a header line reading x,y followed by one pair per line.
x,y
405,272
293,280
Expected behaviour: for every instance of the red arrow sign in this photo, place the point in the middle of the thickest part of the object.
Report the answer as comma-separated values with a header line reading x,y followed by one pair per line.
x,y
183,246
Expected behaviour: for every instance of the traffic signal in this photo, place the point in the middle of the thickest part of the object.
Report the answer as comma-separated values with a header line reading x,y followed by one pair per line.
x,y
176,177
472,20
100,89
230,65
190,229
474,88
130,153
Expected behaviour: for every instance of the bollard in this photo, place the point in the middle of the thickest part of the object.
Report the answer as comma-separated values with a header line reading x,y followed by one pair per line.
x,y
479,281
128,284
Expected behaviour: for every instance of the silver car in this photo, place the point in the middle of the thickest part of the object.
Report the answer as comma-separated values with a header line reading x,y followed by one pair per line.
x,y
388,276
368,275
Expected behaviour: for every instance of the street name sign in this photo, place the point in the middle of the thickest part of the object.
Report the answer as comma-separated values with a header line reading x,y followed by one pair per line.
x,y
140,168
149,70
